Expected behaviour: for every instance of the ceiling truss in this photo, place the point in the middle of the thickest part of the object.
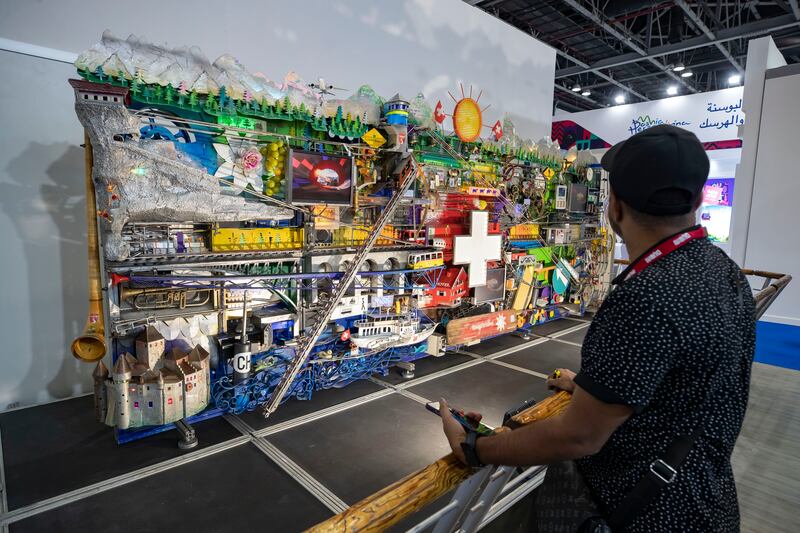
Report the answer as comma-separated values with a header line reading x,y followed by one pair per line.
x,y
630,47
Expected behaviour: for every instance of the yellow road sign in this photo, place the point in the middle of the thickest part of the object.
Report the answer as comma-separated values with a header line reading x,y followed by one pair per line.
x,y
549,172
374,138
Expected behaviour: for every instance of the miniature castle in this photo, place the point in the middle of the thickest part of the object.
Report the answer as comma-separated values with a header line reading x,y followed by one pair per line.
x,y
156,387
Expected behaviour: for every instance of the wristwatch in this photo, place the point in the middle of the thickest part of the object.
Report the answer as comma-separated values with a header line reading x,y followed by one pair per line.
x,y
470,450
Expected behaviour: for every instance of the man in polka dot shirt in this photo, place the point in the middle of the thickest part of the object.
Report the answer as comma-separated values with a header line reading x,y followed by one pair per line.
x,y
667,355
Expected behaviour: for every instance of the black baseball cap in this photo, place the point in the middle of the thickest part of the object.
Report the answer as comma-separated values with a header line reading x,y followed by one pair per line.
x,y
659,171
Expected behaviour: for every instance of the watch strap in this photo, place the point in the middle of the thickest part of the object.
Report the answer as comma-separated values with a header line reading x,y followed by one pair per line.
x,y
470,449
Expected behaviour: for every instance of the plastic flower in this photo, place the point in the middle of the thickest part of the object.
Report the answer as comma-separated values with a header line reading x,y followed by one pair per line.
x,y
251,160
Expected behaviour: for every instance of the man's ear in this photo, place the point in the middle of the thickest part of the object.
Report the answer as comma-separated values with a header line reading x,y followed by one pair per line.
x,y
615,207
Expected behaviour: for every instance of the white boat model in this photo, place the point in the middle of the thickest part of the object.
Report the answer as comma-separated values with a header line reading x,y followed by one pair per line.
x,y
383,331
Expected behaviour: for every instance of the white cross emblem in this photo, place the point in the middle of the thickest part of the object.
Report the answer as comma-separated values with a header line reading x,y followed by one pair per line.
x,y
477,248
500,322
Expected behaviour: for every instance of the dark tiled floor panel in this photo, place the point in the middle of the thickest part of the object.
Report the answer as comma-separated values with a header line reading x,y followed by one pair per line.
x,y
492,346
361,450
321,399
235,490
546,357
426,366
485,388
575,336
59,447
549,328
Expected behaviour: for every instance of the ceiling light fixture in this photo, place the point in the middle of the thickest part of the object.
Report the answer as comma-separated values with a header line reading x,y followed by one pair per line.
x,y
672,90
679,67
620,98
576,88
586,93
735,79
686,74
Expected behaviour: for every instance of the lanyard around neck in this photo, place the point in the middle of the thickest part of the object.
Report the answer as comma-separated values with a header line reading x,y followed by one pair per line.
x,y
664,248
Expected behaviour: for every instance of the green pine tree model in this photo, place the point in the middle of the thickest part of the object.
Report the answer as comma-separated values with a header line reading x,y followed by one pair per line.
x,y
193,101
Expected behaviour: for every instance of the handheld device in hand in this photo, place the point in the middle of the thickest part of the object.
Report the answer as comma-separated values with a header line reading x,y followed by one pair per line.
x,y
478,427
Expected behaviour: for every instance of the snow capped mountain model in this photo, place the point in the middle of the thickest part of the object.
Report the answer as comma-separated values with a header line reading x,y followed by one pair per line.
x,y
384,331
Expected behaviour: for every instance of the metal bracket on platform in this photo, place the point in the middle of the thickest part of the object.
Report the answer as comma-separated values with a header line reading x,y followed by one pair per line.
x,y
406,369
188,436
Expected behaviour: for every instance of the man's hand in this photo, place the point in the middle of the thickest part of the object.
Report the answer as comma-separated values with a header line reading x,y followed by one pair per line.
x,y
564,381
454,432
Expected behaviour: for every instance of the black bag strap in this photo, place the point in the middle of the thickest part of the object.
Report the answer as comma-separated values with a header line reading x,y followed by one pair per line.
x,y
662,472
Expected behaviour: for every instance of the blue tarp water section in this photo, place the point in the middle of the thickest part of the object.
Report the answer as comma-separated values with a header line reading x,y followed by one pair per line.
x,y
778,345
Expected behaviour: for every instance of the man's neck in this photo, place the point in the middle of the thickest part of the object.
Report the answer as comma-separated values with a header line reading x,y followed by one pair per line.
x,y
641,241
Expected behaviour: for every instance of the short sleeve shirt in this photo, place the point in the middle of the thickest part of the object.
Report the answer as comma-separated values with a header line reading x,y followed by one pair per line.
x,y
675,342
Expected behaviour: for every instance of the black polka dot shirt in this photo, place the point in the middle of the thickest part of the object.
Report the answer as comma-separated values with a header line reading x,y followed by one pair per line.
x,y
676,343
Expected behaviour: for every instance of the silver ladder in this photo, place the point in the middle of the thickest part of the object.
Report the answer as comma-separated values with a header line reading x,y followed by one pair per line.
x,y
482,497
320,321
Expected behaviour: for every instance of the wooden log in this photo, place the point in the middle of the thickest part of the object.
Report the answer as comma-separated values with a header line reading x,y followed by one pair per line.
x,y
388,506
552,406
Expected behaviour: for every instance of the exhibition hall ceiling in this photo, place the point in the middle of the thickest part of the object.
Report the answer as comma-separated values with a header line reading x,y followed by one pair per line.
x,y
624,51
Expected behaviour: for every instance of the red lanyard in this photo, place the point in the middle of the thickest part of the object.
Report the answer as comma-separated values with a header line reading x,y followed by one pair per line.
x,y
665,248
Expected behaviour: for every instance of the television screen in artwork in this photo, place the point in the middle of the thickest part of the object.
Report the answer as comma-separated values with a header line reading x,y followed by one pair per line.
x,y
495,286
320,178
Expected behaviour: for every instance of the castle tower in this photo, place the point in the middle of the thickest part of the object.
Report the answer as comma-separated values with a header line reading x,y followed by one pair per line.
x,y
196,380
120,381
100,375
150,346
159,385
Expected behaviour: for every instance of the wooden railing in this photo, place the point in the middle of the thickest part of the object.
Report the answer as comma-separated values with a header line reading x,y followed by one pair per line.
x,y
402,498
773,285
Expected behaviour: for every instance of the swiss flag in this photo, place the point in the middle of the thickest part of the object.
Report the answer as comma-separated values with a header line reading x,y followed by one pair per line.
x,y
438,112
345,335
497,130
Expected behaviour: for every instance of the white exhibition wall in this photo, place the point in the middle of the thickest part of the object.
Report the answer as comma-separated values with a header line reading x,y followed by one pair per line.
x,y
410,46
773,242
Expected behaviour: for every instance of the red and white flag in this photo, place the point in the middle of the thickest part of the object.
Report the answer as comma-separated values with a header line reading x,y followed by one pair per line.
x,y
497,130
438,112
345,335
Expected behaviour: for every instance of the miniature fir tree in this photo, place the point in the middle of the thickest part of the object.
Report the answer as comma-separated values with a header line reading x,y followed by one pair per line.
x,y
158,93
99,74
136,87
182,93
222,97
169,94
210,102
193,101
